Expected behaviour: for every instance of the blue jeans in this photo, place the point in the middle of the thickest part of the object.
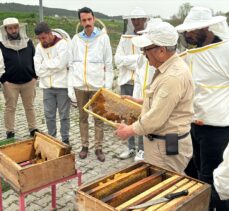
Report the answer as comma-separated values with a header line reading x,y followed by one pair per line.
x,y
209,143
127,89
57,99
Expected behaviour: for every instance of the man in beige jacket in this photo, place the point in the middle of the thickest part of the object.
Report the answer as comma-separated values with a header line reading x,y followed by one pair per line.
x,y
167,106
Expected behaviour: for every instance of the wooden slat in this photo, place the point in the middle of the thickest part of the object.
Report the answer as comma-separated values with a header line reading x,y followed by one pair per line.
x,y
49,148
86,202
19,151
87,187
52,140
134,189
148,194
161,205
34,176
9,170
120,182
179,201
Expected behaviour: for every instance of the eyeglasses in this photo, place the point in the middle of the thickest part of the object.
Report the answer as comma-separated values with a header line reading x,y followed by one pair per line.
x,y
149,48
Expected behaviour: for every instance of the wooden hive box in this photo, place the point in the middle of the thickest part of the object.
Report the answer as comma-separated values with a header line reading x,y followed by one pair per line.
x,y
34,162
140,183
111,108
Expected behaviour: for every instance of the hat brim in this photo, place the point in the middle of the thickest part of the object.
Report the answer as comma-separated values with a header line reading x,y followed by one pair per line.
x,y
135,16
142,41
20,25
188,26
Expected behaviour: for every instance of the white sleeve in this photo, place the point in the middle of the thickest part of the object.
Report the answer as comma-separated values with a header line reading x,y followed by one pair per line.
x,y
40,68
2,65
61,60
221,176
109,75
122,60
137,85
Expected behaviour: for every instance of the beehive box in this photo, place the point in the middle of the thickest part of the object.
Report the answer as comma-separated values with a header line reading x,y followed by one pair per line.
x,y
31,163
140,183
111,108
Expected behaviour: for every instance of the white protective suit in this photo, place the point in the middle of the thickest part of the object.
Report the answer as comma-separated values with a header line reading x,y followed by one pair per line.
x,y
127,54
143,77
221,176
210,70
51,64
90,66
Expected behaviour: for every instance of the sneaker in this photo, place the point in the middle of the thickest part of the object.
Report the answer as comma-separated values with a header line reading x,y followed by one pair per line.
x,y
83,152
127,154
139,156
10,134
32,132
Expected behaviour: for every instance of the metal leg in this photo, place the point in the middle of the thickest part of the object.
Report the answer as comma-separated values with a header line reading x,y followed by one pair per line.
x,y
22,202
53,196
79,175
1,205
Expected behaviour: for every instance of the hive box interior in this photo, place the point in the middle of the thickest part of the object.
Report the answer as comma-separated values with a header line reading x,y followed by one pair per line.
x,y
140,183
34,162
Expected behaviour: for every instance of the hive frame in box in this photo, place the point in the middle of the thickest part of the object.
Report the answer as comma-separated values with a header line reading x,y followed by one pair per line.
x,y
112,193
26,179
86,106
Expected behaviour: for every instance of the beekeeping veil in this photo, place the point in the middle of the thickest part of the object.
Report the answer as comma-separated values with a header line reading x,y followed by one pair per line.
x,y
13,44
136,13
201,17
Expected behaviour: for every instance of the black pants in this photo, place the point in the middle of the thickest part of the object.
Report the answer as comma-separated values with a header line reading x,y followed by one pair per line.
x,y
209,143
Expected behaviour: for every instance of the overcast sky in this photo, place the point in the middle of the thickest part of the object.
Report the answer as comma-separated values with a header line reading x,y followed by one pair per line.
x,y
164,8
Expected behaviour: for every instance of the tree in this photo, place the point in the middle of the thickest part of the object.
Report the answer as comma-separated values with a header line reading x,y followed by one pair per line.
x,y
183,11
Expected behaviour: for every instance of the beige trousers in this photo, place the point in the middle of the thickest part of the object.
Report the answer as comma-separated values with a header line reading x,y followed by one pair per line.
x,y
155,154
82,98
11,93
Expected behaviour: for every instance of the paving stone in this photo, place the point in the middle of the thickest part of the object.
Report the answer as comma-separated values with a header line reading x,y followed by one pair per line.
x,y
90,167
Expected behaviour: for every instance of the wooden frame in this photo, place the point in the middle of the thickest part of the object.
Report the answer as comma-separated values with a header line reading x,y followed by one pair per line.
x,y
102,90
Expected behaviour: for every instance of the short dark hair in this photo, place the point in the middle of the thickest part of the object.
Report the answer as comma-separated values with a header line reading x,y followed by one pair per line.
x,y
42,27
85,10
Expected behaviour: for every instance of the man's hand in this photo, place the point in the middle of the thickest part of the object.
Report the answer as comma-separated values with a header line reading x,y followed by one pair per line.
x,y
124,131
139,101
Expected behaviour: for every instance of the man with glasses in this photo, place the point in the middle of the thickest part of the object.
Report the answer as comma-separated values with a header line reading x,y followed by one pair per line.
x,y
167,106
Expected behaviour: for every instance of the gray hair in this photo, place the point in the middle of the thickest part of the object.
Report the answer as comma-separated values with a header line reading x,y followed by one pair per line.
x,y
171,48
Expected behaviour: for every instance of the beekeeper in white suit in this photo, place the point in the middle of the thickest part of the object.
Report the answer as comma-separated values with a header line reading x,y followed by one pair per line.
x,y
90,69
126,57
209,65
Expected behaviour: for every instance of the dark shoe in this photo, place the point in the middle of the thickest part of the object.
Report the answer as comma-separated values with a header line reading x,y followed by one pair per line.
x,y
100,155
83,153
32,132
10,134
66,141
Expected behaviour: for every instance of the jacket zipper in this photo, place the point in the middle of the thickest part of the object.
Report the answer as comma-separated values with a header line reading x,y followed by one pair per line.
x,y
85,66
50,77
